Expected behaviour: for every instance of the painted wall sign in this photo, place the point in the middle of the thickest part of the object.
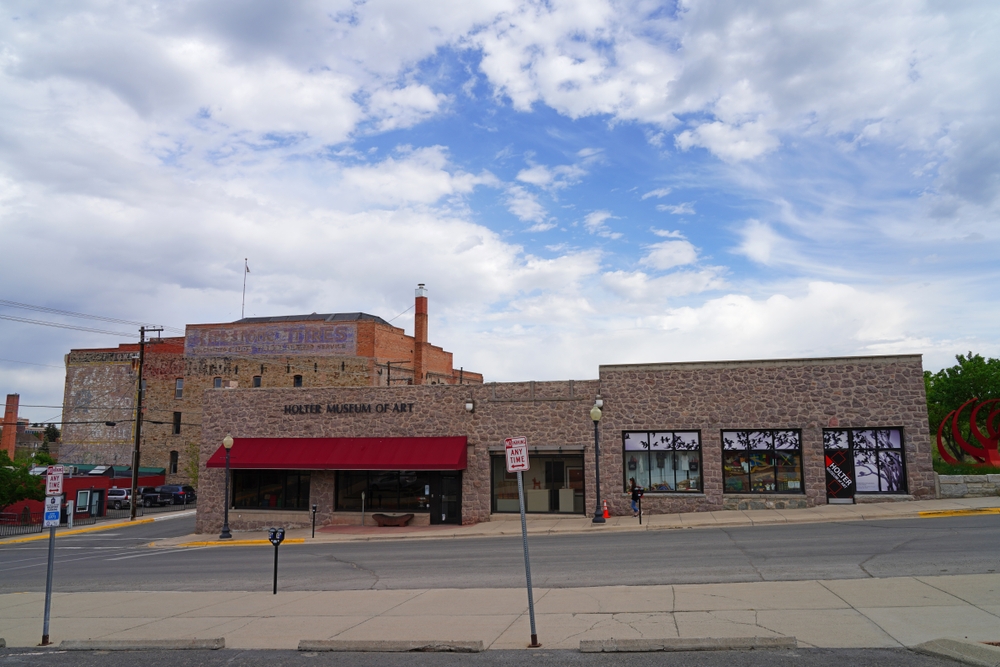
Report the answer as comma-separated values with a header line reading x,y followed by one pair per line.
x,y
347,408
287,338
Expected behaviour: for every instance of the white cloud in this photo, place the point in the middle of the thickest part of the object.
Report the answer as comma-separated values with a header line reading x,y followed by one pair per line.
x,y
594,223
659,193
416,176
404,107
687,208
760,242
669,254
551,178
525,205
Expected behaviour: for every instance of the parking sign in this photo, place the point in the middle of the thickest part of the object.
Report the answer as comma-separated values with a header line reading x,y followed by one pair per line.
x,y
517,454
54,481
51,517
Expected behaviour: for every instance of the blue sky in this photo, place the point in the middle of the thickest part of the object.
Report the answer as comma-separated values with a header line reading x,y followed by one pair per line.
x,y
577,183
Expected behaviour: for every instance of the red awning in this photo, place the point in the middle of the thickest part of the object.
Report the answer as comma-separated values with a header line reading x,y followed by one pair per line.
x,y
447,453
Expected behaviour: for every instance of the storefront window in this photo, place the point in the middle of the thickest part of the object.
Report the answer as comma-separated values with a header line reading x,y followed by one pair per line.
x,y
385,490
271,489
762,461
876,455
553,483
663,461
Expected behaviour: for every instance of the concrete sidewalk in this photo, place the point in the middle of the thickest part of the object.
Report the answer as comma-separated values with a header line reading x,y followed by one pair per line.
x,y
510,524
859,613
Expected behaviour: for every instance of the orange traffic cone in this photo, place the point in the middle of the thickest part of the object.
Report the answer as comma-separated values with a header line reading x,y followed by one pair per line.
x,y
607,515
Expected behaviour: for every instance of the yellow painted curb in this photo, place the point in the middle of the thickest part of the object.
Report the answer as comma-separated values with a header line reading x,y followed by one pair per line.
x,y
76,531
938,513
239,543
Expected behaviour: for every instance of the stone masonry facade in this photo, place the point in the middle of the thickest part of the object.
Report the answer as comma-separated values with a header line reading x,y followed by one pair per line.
x,y
808,395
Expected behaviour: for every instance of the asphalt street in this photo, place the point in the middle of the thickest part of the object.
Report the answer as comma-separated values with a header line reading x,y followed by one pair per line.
x,y
119,560
499,658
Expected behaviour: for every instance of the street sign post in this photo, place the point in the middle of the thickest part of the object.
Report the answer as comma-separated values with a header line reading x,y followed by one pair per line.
x,y
50,520
516,450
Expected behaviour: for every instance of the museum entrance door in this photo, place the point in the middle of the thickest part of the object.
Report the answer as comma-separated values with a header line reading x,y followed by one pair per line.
x,y
446,497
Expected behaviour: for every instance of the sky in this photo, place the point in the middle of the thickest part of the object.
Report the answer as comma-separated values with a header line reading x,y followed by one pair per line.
x,y
577,183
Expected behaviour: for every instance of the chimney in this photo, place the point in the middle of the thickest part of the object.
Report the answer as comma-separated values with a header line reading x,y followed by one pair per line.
x,y
419,334
9,439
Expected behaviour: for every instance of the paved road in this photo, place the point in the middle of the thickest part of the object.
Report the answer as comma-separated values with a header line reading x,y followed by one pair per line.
x,y
243,658
115,560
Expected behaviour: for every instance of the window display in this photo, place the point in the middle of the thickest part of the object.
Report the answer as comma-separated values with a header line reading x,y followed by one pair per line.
x,y
663,461
553,483
767,461
876,454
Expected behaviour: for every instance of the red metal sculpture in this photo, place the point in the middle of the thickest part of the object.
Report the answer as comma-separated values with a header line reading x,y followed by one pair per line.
x,y
987,449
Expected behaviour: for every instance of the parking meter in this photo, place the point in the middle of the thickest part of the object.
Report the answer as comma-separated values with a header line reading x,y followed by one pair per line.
x,y
276,537
314,520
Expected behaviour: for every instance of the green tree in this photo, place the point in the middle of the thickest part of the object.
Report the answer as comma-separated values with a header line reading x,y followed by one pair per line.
x,y
973,377
51,433
16,483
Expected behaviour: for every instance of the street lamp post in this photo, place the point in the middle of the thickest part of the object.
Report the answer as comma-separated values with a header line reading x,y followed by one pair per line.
x,y
227,442
595,414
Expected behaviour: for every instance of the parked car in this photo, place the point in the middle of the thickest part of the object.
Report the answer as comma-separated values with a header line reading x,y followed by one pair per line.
x,y
119,498
180,494
151,496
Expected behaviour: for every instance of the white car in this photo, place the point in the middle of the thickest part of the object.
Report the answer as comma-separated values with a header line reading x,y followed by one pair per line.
x,y
119,498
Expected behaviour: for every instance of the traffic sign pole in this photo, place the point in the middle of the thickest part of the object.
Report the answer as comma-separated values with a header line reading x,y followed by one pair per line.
x,y
48,586
50,520
516,450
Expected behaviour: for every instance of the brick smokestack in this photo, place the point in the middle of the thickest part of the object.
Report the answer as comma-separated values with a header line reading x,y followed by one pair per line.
x,y
419,334
9,439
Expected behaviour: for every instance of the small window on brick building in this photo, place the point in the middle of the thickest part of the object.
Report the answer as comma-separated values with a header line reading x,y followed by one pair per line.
x,y
256,380
173,463
179,388
297,381
217,383
177,423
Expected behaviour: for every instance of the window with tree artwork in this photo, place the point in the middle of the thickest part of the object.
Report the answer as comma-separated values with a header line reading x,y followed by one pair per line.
x,y
764,461
663,461
877,454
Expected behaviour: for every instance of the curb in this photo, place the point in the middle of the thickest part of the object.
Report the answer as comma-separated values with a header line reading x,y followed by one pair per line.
x,y
931,514
962,650
237,543
141,644
685,644
391,646
77,531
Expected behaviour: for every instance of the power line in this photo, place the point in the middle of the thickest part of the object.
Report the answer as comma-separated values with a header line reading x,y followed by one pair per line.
x,y
68,313
31,363
66,326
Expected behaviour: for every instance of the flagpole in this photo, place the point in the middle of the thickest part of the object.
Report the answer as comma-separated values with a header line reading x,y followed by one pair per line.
x,y
246,270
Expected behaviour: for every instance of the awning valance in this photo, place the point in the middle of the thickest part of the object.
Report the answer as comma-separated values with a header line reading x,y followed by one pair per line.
x,y
443,453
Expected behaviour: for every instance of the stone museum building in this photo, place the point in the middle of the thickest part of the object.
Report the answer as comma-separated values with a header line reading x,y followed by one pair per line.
x,y
696,436
302,352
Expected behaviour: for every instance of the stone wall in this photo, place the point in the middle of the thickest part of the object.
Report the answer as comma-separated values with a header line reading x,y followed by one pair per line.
x,y
550,415
968,486
806,394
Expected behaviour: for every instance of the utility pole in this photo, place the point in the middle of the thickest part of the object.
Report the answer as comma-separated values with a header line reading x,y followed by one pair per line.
x,y
140,392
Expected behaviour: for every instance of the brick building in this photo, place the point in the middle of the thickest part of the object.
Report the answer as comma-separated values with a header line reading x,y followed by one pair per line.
x,y
696,436
299,352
